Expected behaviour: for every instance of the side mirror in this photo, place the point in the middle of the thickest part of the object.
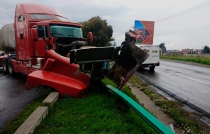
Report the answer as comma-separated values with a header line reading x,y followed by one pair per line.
x,y
90,37
34,34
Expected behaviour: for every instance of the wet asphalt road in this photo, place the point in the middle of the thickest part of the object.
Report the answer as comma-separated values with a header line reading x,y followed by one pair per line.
x,y
191,83
13,96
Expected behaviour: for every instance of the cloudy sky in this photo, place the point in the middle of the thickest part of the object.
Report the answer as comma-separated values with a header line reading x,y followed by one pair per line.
x,y
178,23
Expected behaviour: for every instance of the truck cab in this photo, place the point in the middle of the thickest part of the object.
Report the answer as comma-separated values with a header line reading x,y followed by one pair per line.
x,y
43,38
53,29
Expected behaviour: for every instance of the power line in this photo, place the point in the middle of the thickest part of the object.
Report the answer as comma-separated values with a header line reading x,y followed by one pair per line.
x,y
8,13
198,7
7,4
187,11
2,23
182,31
186,30
6,7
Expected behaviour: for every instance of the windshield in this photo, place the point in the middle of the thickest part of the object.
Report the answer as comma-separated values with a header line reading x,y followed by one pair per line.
x,y
65,31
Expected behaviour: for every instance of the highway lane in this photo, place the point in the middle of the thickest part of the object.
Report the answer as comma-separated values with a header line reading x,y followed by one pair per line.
x,y
191,83
13,96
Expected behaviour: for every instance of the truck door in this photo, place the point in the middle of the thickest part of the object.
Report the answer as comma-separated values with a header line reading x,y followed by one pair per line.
x,y
40,45
20,37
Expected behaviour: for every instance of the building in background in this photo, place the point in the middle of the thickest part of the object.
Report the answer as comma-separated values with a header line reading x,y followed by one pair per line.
x,y
198,51
173,51
187,51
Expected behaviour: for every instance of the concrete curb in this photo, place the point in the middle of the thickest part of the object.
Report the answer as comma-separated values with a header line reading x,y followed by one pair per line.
x,y
32,121
38,115
51,99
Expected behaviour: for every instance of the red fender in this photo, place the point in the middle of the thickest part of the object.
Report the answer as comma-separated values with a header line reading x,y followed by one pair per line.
x,y
66,86
57,72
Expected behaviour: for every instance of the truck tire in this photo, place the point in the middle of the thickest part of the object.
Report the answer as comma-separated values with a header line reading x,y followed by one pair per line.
x,y
5,65
152,68
10,67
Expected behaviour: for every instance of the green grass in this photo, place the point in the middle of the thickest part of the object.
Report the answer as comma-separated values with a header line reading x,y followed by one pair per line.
x,y
94,114
14,124
125,89
197,59
173,109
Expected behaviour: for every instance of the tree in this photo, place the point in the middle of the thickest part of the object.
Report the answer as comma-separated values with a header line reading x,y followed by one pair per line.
x,y
206,49
102,32
162,46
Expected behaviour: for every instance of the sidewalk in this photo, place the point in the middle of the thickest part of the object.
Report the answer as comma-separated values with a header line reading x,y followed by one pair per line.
x,y
145,101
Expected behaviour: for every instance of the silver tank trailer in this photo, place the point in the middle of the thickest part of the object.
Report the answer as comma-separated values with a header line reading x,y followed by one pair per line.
x,y
7,38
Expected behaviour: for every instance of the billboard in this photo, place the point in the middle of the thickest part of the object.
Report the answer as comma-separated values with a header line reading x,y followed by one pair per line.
x,y
145,30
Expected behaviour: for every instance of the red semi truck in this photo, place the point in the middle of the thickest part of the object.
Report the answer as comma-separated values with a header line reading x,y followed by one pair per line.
x,y
43,38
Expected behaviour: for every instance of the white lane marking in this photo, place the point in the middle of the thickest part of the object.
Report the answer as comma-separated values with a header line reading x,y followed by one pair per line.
x,y
193,79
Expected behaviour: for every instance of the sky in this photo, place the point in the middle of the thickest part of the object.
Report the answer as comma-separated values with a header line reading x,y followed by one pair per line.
x,y
180,24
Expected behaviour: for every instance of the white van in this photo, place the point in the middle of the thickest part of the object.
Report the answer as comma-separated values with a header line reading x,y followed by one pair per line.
x,y
153,59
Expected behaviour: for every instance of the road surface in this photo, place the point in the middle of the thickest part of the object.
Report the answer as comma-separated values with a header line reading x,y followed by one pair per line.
x,y
13,96
191,83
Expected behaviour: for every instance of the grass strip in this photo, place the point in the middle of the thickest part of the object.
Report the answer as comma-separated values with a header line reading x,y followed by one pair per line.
x,y
14,124
184,119
94,114
196,59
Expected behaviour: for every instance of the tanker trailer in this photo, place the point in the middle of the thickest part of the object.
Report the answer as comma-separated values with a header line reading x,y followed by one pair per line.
x,y
7,38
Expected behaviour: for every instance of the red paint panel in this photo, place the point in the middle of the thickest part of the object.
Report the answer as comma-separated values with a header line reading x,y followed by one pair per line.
x,y
64,85
66,78
48,64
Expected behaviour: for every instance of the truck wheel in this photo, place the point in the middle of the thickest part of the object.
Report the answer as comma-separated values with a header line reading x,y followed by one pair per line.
x,y
10,67
4,64
152,68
